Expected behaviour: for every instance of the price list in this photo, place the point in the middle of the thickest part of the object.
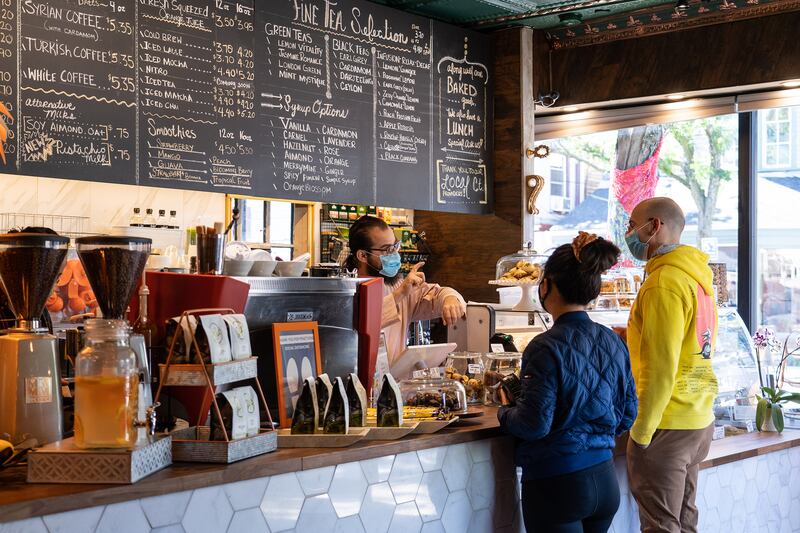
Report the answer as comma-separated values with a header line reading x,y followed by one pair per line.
x,y
402,120
233,157
176,92
77,89
317,119
8,75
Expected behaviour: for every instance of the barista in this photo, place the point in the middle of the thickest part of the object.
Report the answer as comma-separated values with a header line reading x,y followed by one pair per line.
x,y
374,252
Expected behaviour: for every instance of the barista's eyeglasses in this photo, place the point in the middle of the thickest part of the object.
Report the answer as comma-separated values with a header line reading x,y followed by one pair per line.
x,y
386,250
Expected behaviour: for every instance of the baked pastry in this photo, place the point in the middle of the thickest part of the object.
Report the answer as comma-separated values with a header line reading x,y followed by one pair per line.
x,y
523,271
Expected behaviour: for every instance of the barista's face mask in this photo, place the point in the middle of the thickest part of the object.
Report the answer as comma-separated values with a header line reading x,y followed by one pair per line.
x,y
638,248
389,262
390,265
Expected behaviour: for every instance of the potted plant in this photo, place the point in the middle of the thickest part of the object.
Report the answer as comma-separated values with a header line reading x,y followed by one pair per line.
x,y
769,410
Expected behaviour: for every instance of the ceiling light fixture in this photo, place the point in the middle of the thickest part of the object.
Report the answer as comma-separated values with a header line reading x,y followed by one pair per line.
x,y
791,84
681,6
676,96
569,109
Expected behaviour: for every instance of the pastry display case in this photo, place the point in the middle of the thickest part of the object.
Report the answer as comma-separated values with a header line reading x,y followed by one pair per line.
x,y
467,368
522,269
437,393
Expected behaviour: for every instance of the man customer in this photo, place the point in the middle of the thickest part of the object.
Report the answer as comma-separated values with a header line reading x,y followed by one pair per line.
x,y
577,394
671,335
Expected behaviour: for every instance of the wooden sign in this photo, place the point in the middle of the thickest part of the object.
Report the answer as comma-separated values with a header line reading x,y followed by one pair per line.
x,y
296,348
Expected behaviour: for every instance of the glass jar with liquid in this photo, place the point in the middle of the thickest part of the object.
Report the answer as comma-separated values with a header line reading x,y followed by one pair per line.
x,y
106,387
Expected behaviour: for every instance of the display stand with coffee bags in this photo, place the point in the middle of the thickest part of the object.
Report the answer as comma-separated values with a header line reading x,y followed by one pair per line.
x,y
235,432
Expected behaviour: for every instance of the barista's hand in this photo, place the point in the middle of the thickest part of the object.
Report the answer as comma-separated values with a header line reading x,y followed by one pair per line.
x,y
412,279
453,310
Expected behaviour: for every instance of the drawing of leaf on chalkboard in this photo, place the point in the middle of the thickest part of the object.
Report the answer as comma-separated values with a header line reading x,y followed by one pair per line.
x,y
4,130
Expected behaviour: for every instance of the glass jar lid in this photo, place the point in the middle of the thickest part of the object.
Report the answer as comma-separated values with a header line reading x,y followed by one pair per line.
x,y
504,356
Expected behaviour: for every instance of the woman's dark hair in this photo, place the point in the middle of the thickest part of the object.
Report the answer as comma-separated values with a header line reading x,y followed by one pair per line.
x,y
579,281
360,239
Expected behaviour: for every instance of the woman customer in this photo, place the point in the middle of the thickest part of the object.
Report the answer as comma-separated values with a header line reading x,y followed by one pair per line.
x,y
577,393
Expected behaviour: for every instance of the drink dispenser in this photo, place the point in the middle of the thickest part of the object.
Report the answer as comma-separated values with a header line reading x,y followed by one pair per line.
x,y
107,387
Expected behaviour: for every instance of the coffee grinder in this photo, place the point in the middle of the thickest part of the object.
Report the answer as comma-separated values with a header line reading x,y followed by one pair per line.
x,y
114,266
30,391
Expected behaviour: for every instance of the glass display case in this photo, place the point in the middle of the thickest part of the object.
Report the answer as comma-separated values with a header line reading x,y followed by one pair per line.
x,y
734,361
524,270
438,393
467,368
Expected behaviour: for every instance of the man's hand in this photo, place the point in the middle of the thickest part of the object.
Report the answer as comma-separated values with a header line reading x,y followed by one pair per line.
x,y
412,279
453,310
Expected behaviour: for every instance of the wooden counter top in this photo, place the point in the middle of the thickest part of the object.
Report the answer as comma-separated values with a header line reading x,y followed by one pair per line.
x,y
20,500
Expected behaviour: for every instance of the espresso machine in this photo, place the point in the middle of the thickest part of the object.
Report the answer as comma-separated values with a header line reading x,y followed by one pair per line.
x,y
30,391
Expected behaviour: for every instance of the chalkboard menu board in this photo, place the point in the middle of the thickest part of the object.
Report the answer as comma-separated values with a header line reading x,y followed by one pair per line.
x,y
315,100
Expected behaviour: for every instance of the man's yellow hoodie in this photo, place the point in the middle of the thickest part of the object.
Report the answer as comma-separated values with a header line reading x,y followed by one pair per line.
x,y
672,334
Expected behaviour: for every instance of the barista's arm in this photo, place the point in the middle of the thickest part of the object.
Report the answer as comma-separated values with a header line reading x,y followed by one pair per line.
x,y
433,301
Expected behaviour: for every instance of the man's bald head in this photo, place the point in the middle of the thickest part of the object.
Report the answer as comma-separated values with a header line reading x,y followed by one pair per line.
x,y
665,210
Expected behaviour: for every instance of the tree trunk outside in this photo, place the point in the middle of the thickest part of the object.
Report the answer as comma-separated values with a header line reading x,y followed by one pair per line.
x,y
634,147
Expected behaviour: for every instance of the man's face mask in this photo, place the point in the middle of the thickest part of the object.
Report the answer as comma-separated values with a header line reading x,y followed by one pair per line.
x,y
638,248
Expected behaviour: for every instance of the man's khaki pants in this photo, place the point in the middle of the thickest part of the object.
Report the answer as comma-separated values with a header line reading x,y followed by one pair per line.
x,y
663,478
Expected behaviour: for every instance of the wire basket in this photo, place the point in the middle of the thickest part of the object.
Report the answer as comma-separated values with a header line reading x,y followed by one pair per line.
x,y
67,225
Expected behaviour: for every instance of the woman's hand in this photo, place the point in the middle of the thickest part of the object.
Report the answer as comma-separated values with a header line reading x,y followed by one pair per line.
x,y
501,394
412,279
453,310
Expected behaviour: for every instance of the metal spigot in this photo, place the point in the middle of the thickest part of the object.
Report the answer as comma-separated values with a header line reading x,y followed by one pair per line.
x,y
149,421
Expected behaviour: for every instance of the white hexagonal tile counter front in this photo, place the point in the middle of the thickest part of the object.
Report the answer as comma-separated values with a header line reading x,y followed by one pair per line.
x,y
282,502
347,489
452,489
378,508
405,477
208,510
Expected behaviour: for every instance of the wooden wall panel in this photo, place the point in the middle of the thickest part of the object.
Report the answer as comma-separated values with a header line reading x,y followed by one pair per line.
x,y
465,248
725,55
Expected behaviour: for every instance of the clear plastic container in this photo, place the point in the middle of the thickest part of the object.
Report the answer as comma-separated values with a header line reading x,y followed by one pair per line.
x,y
499,365
524,266
106,387
438,393
467,368
114,266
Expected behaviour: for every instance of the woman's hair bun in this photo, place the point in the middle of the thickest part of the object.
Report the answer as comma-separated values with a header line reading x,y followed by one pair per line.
x,y
598,256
